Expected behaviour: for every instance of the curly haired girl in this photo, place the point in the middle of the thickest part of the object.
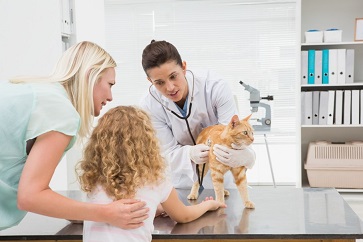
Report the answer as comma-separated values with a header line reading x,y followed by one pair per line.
x,y
122,160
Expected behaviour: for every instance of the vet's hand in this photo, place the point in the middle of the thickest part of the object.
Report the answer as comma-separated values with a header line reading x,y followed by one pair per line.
x,y
199,153
235,157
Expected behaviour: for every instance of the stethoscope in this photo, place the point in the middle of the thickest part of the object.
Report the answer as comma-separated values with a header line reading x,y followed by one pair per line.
x,y
200,178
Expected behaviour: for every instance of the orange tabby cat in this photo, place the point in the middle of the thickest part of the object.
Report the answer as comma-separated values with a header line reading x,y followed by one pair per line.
x,y
237,132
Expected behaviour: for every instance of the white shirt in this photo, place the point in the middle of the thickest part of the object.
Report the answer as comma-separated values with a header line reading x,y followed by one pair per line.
x,y
103,232
213,103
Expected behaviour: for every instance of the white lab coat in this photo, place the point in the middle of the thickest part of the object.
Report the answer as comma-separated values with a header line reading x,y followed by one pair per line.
x,y
213,103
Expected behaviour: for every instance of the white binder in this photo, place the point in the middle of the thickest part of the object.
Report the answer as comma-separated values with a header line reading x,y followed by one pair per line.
x,y
306,108
338,106
341,56
347,106
355,107
331,103
316,97
318,67
333,77
349,69
304,67
323,107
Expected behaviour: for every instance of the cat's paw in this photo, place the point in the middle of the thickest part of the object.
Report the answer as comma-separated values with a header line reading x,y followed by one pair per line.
x,y
192,196
249,204
226,193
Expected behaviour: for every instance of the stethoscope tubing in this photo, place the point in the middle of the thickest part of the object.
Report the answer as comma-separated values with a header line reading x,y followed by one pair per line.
x,y
200,177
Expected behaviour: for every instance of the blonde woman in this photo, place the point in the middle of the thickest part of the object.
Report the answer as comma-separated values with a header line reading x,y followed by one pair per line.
x,y
122,161
40,120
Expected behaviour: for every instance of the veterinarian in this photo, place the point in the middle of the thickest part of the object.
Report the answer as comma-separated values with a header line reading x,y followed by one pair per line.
x,y
183,102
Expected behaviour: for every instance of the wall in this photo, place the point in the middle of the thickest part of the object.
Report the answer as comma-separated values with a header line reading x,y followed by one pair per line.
x,y
29,44
89,25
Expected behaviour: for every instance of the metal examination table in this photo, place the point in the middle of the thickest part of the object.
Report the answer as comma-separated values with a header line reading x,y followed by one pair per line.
x,y
281,214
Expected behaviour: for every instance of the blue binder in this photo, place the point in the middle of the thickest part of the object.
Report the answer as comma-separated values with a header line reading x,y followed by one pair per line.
x,y
325,66
311,66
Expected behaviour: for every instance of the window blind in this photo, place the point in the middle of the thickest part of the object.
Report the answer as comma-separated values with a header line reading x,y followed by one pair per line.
x,y
249,41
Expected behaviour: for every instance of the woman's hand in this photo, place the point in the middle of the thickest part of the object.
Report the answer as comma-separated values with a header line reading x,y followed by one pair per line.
x,y
126,213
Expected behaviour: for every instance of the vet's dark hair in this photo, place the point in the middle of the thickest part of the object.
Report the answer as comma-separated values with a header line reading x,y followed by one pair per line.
x,y
159,52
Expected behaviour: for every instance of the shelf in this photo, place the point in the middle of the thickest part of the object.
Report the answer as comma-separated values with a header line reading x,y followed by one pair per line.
x,y
322,15
335,44
349,190
332,126
325,87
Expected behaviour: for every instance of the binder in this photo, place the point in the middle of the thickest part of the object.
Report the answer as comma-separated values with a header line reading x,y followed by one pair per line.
x,y
316,96
311,66
304,67
347,106
355,107
331,103
349,69
323,107
338,106
306,108
361,107
318,66
325,66
341,65
333,77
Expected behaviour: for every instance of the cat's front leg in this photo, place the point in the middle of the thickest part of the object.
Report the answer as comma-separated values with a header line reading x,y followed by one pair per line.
x,y
193,195
239,174
218,179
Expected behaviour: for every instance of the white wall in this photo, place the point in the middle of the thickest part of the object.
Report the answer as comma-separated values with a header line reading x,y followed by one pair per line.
x,y
90,26
29,37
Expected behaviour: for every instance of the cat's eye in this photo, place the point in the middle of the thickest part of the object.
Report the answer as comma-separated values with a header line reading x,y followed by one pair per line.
x,y
245,132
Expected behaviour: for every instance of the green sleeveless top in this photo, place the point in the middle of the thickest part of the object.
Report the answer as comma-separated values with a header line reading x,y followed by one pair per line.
x,y
26,111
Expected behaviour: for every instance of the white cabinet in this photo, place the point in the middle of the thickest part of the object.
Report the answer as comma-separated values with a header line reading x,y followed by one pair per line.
x,y
323,15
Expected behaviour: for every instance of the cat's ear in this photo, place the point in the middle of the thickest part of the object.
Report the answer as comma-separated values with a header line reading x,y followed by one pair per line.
x,y
234,121
247,118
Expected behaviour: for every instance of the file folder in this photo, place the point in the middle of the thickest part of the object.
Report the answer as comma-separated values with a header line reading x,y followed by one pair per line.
x,y
338,106
331,103
323,107
333,77
347,107
325,67
341,65
355,107
311,66
349,69
316,97
306,108
304,67
318,67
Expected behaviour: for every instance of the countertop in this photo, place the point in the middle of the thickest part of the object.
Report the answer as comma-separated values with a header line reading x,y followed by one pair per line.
x,y
280,213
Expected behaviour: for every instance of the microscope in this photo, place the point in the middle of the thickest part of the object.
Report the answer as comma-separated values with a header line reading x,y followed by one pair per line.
x,y
255,104
265,126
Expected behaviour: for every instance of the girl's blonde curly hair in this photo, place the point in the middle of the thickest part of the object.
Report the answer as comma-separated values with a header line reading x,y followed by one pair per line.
x,y
122,155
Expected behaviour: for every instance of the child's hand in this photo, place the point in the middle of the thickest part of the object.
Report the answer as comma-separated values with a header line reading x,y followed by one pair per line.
x,y
213,204
160,211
